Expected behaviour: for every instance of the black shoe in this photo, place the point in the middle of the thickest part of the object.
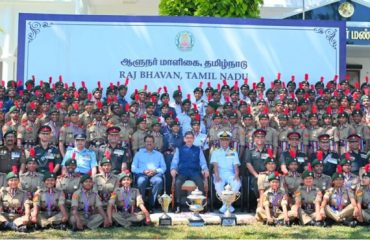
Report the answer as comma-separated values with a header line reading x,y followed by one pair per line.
x,y
280,223
63,226
22,228
311,223
270,223
318,223
287,223
353,224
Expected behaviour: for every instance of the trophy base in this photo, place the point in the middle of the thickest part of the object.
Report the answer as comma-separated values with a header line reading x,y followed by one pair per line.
x,y
228,221
196,222
165,220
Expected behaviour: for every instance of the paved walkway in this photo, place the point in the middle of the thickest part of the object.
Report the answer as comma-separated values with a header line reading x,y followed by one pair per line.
x,y
210,218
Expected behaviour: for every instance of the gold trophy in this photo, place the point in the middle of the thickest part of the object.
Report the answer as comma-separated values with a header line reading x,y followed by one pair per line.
x,y
228,196
165,201
196,197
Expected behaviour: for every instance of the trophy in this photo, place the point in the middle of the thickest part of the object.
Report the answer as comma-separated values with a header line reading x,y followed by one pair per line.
x,y
228,197
165,219
196,197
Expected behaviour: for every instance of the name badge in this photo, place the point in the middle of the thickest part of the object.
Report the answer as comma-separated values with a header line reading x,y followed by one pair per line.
x,y
87,157
333,160
363,155
118,152
264,156
300,159
49,156
15,155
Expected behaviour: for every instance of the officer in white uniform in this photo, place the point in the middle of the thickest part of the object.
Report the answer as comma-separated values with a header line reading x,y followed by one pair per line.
x,y
226,164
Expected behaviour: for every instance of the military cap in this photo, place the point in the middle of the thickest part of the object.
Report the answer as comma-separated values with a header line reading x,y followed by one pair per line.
x,y
357,112
84,178
217,115
80,136
307,173
44,128
226,135
259,132
338,173
225,87
274,176
313,115
213,105
282,116
233,115
149,104
345,161
70,161
297,115
155,122
140,120
228,104
113,130
105,161
247,115
323,137
175,123
198,89
11,175
13,109
124,174
53,110
122,86
48,175
367,171
353,138
294,134
261,84
343,114
195,122
186,101
263,116
10,131
270,160
177,93
193,112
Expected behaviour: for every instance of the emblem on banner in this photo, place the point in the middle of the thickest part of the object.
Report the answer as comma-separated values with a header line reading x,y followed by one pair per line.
x,y
184,41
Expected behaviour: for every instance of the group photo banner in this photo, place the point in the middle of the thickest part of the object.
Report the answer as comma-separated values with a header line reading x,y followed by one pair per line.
x,y
172,51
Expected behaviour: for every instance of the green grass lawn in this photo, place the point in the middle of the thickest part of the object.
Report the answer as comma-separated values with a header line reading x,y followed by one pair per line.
x,y
245,231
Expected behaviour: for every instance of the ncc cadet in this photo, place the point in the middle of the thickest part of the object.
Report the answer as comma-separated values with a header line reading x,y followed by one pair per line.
x,y
172,140
274,208
200,139
45,152
27,130
68,131
339,204
308,200
215,129
96,130
49,205
363,197
344,130
114,114
184,117
293,153
225,161
321,180
155,132
282,132
69,182
238,134
262,179
271,134
331,130
210,111
314,131
14,122
87,210
105,182
126,205
137,140
31,180
292,180
199,101
361,129
118,154
249,129
15,207
149,113
10,155
126,131
351,181
87,117
297,126
329,158
55,124
357,157
177,96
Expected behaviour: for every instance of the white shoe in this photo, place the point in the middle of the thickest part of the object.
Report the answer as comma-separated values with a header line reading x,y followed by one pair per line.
x,y
232,209
222,209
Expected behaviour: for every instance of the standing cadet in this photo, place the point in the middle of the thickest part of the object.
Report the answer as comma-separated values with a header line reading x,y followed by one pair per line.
x,y
137,140
225,161
293,179
155,132
293,153
357,157
55,124
124,203
10,155
351,181
27,130
331,130
308,200
96,130
344,130
363,197
118,153
249,129
48,205
105,182
87,210
215,129
282,132
69,182
46,153
361,129
314,131
339,204
299,127
238,134
321,181
271,134
15,207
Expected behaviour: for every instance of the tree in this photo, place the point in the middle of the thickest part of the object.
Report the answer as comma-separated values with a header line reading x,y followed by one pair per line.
x,y
211,8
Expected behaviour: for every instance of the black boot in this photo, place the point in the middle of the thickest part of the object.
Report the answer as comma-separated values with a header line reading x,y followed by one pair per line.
x,y
319,223
22,228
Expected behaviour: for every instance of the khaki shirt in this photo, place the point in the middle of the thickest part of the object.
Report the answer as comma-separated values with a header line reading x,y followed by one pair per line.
x,y
13,203
119,198
28,132
43,196
88,199
31,182
339,198
105,185
68,184
323,182
138,140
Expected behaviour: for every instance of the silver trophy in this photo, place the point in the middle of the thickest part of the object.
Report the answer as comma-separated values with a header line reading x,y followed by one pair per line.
x,y
196,197
165,201
227,197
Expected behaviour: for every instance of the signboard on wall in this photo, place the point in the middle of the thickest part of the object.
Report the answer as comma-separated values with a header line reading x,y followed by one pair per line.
x,y
172,51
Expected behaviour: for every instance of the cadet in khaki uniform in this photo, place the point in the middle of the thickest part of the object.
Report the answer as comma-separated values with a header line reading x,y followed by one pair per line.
x,y
15,207
2,180
339,204
293,153
10,155
262,179
216,128
271,134
282,132
124,203
158,137
362,129
31,180
126,130
314,131
96,131
274,208
238,134
69,182
249,129
27,130
87,210
48,205
344,130
332,131
105,182
363,197
321,181
297,126
308,200
293,179
87,116
137,140
357,157
351,181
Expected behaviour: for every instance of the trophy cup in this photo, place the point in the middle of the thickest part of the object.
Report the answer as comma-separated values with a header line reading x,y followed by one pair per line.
x,y
165,219
228,197
196,197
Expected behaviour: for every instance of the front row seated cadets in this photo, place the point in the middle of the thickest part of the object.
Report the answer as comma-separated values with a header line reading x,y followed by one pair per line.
x,y
226,164
124,203
363,197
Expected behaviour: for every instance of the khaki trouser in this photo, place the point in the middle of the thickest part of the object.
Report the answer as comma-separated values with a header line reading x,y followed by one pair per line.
x,y
366,214
92,222
126,219
261,215
17,219
44,220
305,217
339,216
